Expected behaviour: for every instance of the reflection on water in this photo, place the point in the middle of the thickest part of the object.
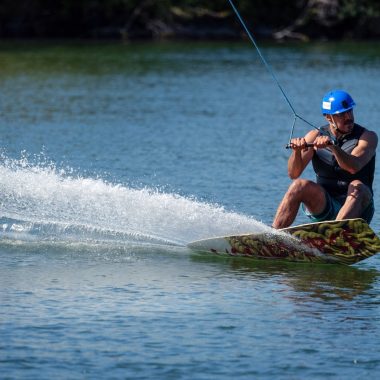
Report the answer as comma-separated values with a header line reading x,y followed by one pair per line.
x,y
324,281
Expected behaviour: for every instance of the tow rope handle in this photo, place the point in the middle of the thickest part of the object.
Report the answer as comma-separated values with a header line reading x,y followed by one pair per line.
x,y
310,145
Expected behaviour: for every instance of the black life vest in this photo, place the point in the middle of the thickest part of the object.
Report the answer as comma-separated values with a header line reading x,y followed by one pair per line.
x,y
330,175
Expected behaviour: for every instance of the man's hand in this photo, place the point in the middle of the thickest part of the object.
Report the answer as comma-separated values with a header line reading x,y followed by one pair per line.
x,y
298,144
321,142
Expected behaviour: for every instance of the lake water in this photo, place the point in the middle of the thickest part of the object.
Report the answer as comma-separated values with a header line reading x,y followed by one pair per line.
x,y
114,157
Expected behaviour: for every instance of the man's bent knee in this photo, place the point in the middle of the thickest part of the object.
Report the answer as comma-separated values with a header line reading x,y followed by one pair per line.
x,y
312,195
357,190
303,189
300,186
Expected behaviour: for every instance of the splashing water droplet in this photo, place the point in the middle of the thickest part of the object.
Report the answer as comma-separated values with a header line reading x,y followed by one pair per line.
x,y
40,201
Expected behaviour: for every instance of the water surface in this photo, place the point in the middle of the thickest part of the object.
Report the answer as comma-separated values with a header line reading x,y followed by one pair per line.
x,y
114,157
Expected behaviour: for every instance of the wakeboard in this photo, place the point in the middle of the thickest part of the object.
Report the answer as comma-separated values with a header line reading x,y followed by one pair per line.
x,y
339,241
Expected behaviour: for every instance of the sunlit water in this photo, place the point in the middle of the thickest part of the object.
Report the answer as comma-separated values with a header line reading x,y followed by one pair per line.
x,y
113,158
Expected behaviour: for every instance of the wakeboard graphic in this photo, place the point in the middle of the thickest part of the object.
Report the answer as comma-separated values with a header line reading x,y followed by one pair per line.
x,y
339,241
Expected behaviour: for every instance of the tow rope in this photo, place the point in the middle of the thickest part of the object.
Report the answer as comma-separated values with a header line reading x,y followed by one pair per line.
x,y
271,72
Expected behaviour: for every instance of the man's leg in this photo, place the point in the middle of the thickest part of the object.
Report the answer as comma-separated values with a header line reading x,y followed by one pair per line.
x,y
359,197
300,191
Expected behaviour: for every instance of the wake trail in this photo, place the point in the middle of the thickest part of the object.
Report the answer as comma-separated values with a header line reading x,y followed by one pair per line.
x,y
42,202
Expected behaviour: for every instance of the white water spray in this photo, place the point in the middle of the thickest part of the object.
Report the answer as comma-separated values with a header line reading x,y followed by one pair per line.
x,y
41,202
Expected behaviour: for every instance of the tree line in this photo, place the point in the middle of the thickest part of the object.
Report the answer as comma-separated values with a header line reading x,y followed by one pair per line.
x,y
157,19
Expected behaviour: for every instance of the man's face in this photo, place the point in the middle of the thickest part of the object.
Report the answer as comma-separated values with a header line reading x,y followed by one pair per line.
x,y
344,121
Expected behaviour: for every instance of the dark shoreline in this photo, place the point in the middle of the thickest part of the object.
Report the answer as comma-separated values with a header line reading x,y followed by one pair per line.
x,y
149,20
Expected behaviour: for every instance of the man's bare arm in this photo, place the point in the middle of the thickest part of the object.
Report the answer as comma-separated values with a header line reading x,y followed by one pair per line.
x,y
361,154
301,154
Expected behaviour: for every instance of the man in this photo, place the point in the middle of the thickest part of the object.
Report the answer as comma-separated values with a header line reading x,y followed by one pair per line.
x,y
343,158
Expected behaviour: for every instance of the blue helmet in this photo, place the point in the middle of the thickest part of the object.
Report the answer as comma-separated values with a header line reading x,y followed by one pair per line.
x,y
337,101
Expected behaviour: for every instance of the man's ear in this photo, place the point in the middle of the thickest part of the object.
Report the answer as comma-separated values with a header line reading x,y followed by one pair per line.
x,y
328,118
